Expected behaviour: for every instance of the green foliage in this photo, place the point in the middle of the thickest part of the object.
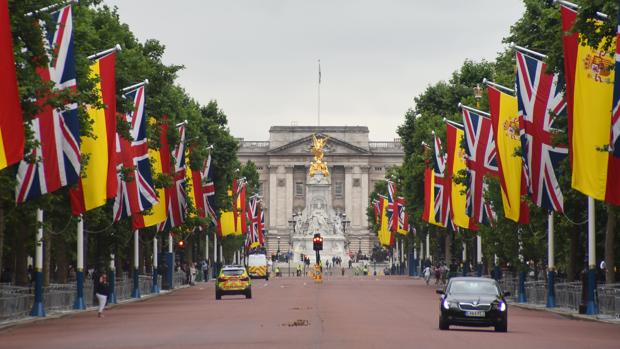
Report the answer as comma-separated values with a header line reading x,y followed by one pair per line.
x,y
539,29
97,27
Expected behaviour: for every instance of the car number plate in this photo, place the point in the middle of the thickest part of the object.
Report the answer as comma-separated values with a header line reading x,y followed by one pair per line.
x,y
475,313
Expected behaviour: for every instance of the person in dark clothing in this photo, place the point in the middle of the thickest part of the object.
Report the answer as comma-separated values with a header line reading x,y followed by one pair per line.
x,y
102,292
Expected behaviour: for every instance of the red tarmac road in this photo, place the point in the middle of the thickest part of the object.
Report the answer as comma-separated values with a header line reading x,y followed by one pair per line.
x,y
349,312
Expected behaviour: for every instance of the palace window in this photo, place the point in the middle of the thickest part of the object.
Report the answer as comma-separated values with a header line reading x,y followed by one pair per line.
x,y
299,189
339,189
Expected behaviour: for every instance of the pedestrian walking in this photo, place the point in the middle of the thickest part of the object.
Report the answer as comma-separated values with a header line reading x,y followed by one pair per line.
x,y
427,274
192,274
102,293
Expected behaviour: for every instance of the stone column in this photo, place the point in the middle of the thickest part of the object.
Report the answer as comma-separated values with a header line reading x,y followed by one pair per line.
x,y
365,193
272,182
290,195
348,193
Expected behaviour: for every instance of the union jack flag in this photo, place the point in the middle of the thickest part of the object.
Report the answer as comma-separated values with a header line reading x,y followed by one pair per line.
x,y
540,99
135,192
56,158
392,209
253,239
481,160
209,191
176,197
441,200
615,115
403,220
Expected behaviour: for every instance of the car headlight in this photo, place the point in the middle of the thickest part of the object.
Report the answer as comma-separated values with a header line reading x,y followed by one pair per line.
x,y
446,304
501,306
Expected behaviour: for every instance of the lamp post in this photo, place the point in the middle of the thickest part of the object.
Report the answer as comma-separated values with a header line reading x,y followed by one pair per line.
x,y
278,251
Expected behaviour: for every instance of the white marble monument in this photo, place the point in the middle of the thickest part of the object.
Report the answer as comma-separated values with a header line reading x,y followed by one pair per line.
x,y
318,215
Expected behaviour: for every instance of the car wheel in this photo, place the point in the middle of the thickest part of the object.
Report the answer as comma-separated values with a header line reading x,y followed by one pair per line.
x,y
443,324
502,326
248,293
218,295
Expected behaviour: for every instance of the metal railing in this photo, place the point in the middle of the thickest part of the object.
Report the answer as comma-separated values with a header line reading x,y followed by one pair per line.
x,y
16,301
568,295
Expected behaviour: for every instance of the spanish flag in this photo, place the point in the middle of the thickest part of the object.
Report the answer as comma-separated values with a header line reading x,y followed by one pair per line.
x,y
385,235
100,181
11,119
229,223
157,213
505,117
195,189
454,164
589,95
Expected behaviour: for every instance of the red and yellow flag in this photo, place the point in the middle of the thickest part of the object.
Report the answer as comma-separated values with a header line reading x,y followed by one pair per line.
x,y
157,212
385,235
454,164
230,223
505,117
100,181
11,119
589,95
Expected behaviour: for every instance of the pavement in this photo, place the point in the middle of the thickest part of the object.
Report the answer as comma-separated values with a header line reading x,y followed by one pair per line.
x,y
342,312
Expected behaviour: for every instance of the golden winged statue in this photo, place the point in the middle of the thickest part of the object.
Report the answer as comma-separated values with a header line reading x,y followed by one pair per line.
x,y
318,165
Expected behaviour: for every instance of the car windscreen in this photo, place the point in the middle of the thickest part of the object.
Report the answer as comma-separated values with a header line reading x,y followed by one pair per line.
x,y
473,287
233,272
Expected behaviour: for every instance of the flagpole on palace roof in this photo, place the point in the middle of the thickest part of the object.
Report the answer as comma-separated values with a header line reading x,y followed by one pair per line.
x,y
318,121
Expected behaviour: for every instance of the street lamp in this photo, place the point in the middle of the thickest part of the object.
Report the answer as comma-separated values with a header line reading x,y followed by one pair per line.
x,y
278,251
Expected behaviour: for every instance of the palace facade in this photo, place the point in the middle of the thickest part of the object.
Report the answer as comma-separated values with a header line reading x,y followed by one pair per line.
x,y
355,164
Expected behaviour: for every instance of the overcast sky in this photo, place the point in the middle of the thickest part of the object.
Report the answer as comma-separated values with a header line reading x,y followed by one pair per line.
x,y
258,58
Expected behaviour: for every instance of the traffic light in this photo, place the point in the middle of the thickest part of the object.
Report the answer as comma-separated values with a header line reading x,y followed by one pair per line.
x,y
181,244
317,242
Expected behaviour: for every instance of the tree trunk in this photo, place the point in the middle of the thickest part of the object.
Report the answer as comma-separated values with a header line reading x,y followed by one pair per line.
x,y
189,250
141,253
448,247
47,252
610,244
572,269
21,257
60,258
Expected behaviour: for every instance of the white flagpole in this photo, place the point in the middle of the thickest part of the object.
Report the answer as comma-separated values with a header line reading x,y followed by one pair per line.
x,y
551,263
79,300
136,264
37,306
591,306
428,250
479,253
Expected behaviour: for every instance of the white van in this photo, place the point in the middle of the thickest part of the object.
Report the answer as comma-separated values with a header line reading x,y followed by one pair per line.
x,y
257,266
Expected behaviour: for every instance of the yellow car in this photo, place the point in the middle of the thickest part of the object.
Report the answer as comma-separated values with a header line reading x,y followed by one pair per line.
x,y
233,279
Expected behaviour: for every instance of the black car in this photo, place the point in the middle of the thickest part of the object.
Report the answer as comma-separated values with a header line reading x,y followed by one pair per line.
x,y
473,301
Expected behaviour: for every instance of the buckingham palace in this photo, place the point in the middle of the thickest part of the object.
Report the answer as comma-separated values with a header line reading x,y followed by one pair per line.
x,y
354,163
